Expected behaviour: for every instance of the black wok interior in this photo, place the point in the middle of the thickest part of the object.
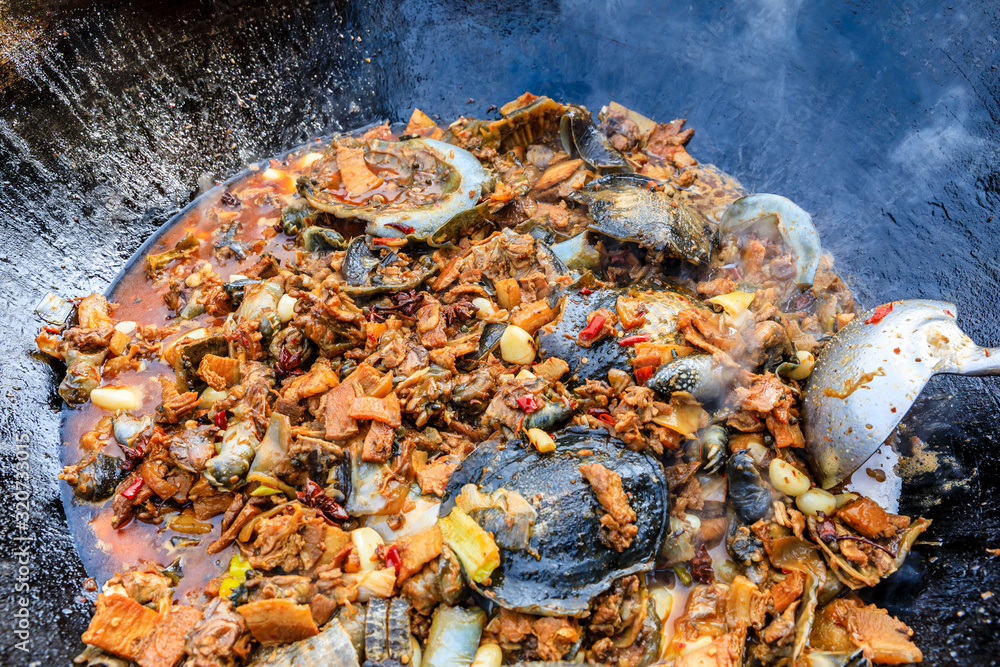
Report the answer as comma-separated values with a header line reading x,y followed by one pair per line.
x,y
881,119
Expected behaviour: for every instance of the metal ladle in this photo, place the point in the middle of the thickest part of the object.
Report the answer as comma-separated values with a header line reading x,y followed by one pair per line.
x,y
869,375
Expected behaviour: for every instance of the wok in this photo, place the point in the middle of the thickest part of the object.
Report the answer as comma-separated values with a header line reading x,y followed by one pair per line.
x,y
879,120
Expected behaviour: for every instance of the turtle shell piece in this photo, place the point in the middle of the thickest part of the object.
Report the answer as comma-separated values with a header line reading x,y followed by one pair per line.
x,y
636,208
565,564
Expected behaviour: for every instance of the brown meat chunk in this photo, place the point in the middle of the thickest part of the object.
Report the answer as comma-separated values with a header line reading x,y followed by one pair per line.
x,y
542,638
619,521
703,330
378,443
788,590
433,477
219,639
865,516
430,325
339,423
764,394
165,647
415,551
385,410
716,287
278,543
219,372
319,379
849,623
173,404
354,171
278,621
555,637
120,625
207,500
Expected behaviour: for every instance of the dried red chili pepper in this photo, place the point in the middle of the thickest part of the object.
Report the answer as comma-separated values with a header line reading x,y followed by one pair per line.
x,y
593,328
133,455
133,488
314,496
586,291
701,566
879,313
632,340
287,361
393,559
221,421
528,403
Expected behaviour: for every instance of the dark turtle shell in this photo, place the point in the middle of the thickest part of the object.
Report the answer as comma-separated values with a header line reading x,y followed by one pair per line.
x,y
632,207
662,305
572,565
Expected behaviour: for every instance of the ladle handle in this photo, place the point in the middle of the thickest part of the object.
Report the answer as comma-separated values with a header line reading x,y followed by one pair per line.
x,y
982,361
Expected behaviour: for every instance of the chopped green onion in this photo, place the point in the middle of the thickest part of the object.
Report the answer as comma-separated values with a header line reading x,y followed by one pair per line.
x,y
474,547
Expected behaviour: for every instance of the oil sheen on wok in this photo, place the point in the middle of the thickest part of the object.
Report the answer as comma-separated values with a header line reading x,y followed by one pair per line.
x,y
514,390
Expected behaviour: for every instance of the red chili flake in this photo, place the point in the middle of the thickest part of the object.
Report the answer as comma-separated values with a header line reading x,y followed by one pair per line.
x,y
472,193
643,374
314,496
528,403
896,350
221,421
406,229
892,409
949,313
133,488
879,313
632,340
603,415
586,291
593,328
393,559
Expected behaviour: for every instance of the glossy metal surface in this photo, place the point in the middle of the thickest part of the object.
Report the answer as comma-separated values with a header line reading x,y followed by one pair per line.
x,y
867,378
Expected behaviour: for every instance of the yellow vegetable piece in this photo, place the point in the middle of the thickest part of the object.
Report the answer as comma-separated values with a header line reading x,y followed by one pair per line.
x,y
474,547
264,491
238,568
733,303
684,417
